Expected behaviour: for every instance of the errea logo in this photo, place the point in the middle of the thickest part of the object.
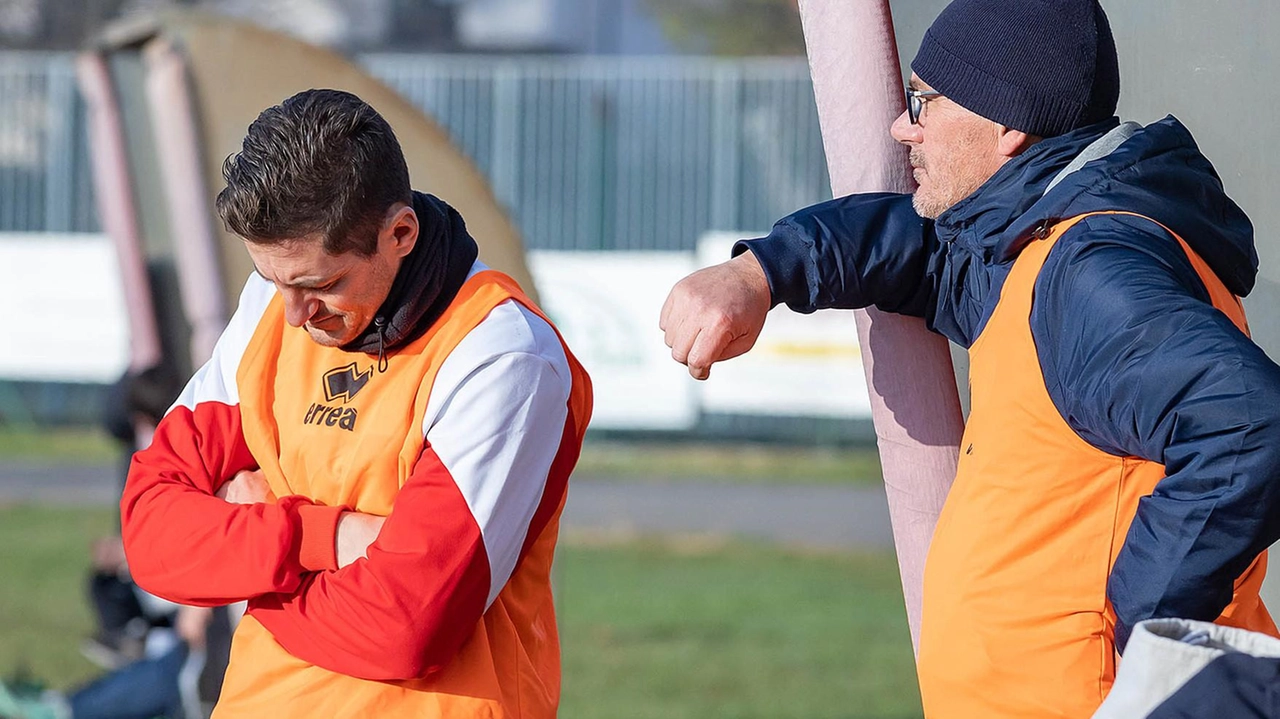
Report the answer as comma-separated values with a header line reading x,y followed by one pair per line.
x,y
345,382
342,383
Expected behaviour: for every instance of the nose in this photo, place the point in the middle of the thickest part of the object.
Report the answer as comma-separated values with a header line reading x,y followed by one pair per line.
x,y
904,131
298,307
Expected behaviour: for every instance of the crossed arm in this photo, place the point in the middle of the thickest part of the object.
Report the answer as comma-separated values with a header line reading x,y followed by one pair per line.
x,y
377,598
326,605
355,530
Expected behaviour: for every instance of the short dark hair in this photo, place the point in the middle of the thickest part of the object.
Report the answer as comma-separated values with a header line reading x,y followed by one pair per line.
x,y
321,162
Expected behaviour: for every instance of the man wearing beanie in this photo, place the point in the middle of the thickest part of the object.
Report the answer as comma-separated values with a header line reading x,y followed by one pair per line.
x,y
1121,460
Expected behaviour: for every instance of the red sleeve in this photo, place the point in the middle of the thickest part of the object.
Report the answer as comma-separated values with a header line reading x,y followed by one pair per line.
x,y
406,610
186,545
490,480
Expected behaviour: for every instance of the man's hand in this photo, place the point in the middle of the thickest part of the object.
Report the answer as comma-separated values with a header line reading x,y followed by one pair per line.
x,y
356,531
249,486
716,313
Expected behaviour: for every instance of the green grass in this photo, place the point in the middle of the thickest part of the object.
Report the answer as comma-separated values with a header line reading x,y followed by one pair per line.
x,y
698,630
44,608
727,462
63,445
732,631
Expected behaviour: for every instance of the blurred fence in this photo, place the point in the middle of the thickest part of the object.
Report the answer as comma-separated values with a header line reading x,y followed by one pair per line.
x,y
587,153
45,178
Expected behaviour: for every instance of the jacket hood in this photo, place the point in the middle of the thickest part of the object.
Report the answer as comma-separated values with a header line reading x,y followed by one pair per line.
x,y
1159,172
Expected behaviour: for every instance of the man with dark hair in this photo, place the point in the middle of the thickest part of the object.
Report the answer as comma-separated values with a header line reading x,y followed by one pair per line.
x,y
1121,460
321,163
376,455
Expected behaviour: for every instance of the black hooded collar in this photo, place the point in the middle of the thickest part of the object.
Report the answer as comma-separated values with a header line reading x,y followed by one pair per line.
x,y
427,281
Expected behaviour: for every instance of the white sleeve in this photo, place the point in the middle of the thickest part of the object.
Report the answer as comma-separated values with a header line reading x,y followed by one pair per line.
x,y
495,419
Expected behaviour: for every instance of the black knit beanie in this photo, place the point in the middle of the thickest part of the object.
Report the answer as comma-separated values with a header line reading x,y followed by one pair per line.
x,y
1044,67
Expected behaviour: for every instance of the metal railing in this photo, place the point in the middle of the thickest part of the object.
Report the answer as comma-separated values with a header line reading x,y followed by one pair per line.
x,y
45,178
587,153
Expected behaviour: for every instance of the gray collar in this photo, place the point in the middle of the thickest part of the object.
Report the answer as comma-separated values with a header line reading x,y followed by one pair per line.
x,y
1100,147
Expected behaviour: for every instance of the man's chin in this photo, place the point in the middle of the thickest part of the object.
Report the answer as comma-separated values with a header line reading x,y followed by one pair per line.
x,y
926,206
931,201
325,339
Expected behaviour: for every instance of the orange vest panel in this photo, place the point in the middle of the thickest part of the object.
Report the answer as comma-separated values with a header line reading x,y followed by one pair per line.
x,y
1016,621
510,666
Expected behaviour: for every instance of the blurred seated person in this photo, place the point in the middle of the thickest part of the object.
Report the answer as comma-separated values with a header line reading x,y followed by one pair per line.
x,y
134,404
163,683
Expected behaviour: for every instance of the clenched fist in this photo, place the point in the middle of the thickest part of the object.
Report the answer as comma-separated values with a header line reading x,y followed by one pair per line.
x,y
716,313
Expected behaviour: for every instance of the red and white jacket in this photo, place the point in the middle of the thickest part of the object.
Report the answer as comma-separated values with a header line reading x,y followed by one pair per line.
x,y
465,442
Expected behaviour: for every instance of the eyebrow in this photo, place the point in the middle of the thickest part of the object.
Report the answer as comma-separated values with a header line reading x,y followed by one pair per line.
x,y
305,283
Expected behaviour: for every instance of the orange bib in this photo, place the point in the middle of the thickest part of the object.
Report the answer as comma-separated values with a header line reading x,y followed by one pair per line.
x,y
326,424
1016,621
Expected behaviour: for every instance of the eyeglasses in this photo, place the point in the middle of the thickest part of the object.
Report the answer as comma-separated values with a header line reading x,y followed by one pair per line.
x,y
915,103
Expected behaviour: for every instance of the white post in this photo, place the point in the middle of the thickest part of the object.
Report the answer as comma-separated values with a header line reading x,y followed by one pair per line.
x,y
857,84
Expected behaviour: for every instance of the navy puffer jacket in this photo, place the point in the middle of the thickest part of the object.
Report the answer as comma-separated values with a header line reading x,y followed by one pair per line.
x,y
1134,356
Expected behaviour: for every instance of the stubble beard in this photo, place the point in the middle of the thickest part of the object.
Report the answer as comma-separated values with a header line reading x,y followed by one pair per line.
x,y
922,204
925,208
324,339
940,199
948,183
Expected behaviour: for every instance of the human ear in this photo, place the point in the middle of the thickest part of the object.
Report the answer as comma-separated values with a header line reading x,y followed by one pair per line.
x,y
1011,143
401,229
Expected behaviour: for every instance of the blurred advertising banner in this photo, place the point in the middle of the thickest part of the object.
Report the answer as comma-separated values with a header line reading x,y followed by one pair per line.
x,y
64,309
606,304
68,323
802,365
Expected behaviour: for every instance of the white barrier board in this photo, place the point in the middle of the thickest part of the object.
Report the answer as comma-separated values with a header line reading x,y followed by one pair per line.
x,y
606,304
64,309
66,323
